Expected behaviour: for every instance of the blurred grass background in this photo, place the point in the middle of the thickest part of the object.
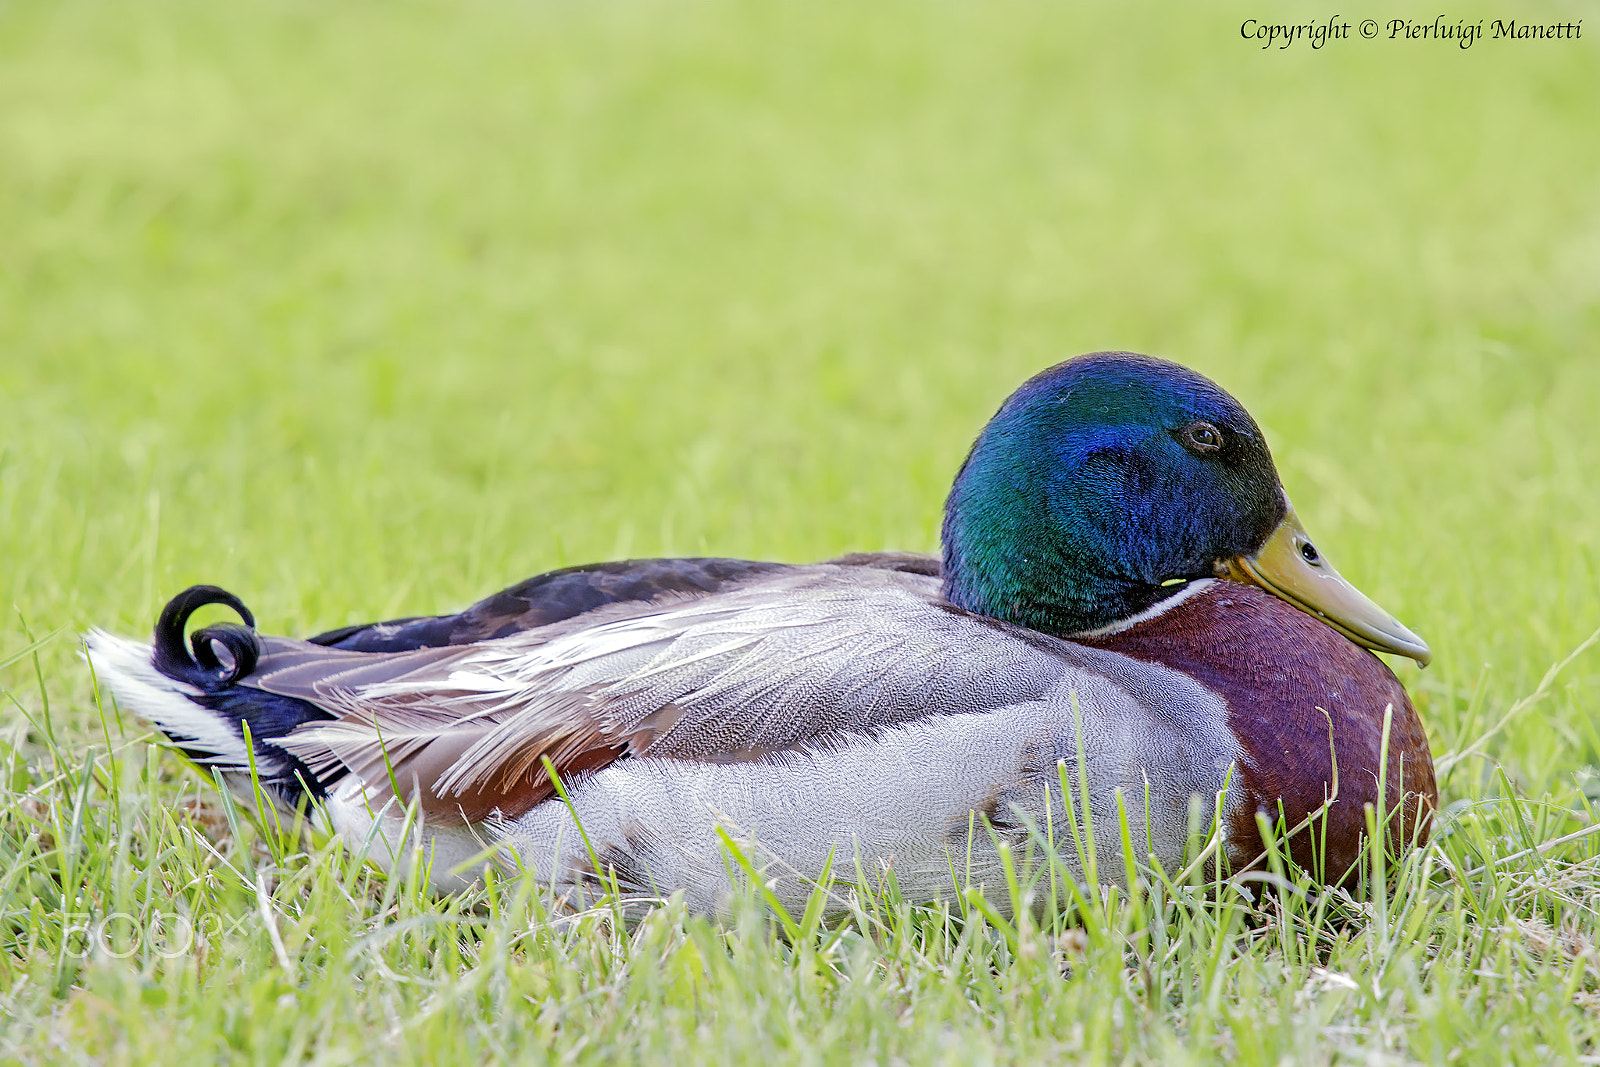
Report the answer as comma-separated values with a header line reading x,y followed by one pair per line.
x,y
366,310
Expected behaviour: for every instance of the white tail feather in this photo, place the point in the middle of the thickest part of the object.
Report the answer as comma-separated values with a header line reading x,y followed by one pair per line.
x,y
124,666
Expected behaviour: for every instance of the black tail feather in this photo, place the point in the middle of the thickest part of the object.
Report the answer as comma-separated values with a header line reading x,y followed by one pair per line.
x,y
205,669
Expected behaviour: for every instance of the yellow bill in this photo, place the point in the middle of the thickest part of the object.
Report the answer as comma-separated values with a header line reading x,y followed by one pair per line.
x,y
1290,567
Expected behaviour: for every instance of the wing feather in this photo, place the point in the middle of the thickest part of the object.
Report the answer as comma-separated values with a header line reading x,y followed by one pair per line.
x,y
804,659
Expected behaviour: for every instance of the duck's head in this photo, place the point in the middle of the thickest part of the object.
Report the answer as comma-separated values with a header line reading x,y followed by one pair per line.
x,y
1107,483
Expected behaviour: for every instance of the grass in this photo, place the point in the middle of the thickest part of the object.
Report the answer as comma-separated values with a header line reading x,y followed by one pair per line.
x,y
361,311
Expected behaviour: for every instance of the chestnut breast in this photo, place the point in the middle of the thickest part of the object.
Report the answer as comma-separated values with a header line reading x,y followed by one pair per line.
x,y
1299,694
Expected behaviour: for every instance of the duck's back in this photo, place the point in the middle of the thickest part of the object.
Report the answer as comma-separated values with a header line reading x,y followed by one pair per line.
x,y
571,592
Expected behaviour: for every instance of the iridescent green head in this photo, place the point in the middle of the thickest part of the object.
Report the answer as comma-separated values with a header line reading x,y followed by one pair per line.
x,y
1107,483
1099,487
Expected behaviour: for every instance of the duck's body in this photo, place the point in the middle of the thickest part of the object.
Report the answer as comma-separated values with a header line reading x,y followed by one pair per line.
x,y
875,707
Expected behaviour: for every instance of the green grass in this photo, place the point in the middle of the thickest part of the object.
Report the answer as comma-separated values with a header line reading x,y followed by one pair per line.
x,y
363,310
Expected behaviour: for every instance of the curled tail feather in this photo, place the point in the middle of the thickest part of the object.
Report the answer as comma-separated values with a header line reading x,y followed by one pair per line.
x,y
204,668
196,693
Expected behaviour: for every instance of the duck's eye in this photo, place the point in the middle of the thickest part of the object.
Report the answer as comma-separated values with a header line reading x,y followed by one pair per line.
x,y
1308,552
1200,438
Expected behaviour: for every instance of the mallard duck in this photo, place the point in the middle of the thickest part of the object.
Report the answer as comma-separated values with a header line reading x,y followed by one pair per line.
x,y
1124,594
